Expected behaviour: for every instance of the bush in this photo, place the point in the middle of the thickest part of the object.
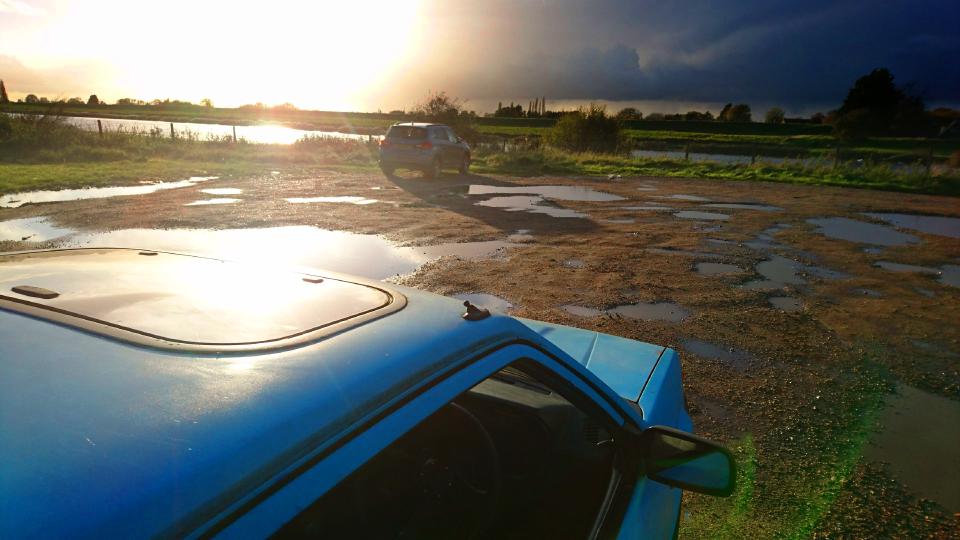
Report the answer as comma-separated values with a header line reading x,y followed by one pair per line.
x,y
586,130
954,159
774,116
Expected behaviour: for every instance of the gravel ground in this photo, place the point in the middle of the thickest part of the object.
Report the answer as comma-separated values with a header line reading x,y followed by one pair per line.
x,y
798,390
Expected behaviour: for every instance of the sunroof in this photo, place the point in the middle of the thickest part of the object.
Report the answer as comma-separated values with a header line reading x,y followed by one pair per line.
x,y
186,302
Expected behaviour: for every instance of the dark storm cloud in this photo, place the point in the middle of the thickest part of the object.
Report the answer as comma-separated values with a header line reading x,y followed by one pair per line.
x,y
791,52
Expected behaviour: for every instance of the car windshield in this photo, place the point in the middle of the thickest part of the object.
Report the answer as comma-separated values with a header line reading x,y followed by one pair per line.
x,y
407,132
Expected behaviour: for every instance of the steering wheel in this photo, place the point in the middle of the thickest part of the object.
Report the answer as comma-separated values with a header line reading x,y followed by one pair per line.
x,y
458,477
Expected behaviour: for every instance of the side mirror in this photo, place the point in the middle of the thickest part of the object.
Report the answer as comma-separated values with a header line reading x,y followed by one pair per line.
x,y
680,459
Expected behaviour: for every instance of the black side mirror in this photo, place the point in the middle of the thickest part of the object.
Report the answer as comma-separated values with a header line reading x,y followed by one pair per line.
x,y
680,459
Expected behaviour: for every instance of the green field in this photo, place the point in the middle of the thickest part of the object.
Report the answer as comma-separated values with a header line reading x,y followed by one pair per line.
x,y
47,153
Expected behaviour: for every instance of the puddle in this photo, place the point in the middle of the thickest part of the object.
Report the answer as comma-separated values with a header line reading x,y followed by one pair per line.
x,y
574,263
581,311
364,255
681,197
664,311
484,300
873,250
786,303
720,242
861,232
204,202
925,292
919,440
15,200
779,272
222,191
936,225
647,188
867,292
34,229
530,203
646,208
739,360
935,348
563,193
620,220
685,253
521,236
746,206
949,274
717,269
695,214
349,199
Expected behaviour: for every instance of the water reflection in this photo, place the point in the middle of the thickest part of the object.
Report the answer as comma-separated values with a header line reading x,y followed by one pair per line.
x,y
15,200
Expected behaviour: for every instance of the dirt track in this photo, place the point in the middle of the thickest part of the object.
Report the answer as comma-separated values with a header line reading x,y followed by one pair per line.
x,y
793,386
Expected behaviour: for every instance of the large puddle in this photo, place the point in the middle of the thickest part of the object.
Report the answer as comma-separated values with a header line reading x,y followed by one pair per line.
x,y
695,214
340,251
35,229
218,200
937,225
530,203
778,272
920,440
948,274
347,199
746,206
861,232
15,200
562,193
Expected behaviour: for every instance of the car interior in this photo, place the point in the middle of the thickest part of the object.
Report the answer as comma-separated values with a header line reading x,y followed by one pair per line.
x,y
510,458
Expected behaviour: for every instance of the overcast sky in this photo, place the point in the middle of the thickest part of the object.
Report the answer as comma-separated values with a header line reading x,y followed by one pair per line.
x,y
367,54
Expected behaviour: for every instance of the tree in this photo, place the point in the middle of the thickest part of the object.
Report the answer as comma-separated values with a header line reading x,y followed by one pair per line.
x,y
774,116
586,130
441,108
93,100
818,118
3,93
737,113
724,112
629,113
206,102
31,98
74,101
876,106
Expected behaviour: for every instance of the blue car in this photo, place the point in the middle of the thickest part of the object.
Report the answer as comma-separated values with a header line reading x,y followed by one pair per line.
x,y
151,394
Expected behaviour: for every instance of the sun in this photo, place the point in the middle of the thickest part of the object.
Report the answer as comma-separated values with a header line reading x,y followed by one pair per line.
x,y
311,54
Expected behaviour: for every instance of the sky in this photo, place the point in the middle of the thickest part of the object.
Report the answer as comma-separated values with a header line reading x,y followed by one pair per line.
x,y
801,55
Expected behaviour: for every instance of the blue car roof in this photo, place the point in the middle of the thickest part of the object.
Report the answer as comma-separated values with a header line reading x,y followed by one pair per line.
x,y
103,433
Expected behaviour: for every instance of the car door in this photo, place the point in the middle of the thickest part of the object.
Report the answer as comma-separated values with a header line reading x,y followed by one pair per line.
x,y
441,144
268,510
457,150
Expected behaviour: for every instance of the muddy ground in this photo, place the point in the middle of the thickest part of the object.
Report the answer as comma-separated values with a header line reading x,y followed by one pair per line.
x,y
802,396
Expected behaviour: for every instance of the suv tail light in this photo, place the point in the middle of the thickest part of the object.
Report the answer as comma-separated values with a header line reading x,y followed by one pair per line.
x,y
383,142
425,145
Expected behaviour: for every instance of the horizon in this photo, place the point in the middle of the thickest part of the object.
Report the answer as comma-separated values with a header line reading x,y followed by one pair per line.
x,y
386,55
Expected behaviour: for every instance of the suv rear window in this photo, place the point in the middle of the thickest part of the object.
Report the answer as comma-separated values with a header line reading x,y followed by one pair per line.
x,y
407,132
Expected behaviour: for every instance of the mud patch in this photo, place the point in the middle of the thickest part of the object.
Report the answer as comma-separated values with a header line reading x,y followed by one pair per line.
x,y
786,303
220,200
581,311
696,214
718,269
563,193
737,359
746,206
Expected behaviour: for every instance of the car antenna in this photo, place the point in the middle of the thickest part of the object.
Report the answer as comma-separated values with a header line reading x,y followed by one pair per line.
x,y
474,313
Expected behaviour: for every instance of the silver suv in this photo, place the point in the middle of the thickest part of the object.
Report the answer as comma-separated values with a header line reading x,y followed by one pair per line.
x,y
425,147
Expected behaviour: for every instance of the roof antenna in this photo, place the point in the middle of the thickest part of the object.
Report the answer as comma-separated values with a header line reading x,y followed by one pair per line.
x,y
474,313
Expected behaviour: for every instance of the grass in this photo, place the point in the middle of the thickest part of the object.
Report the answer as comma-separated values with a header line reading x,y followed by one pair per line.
x,y
548,161
47,153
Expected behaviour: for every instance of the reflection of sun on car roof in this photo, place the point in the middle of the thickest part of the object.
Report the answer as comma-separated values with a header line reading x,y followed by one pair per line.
x,y
179,301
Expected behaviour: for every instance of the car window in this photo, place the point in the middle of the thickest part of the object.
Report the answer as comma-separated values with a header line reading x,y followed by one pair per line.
x,y
510,458
438,133
407,132
452,136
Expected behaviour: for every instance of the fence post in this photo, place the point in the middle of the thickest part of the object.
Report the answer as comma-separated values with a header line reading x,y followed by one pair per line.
x,y
172,134
100,127
234,133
